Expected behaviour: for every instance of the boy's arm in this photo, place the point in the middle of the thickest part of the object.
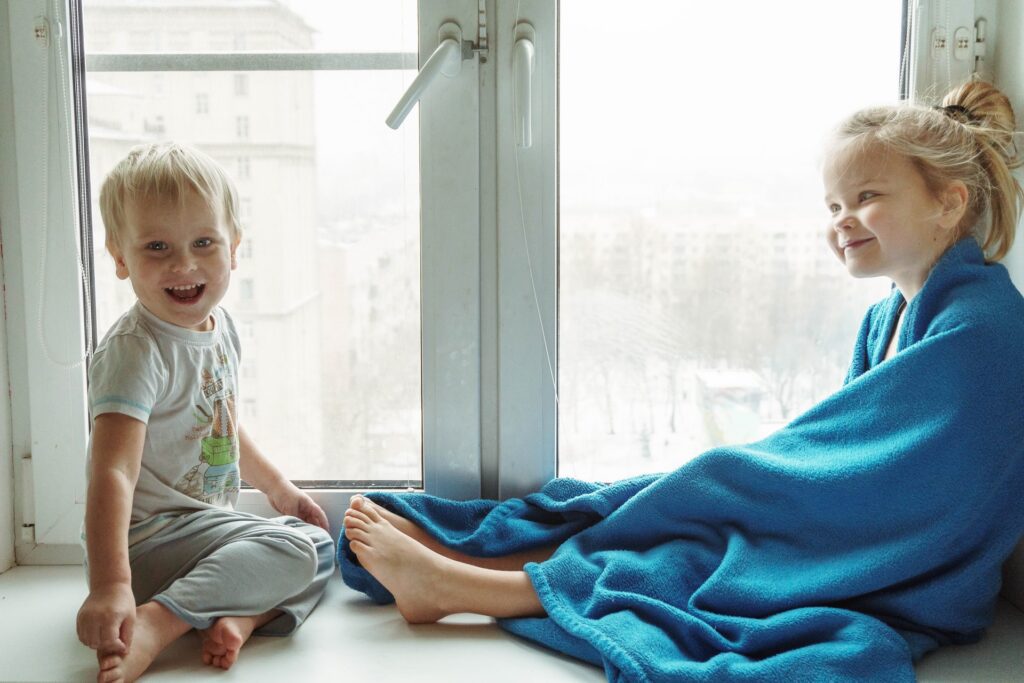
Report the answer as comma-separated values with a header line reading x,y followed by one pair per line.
x,y
284,496
107,617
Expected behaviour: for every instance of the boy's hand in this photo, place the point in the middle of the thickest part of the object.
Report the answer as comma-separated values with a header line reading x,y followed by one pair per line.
x,y
106,619
290,500
283,495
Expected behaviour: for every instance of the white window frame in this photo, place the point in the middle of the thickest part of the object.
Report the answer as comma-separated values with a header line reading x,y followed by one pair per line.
x,y
489,313
48,399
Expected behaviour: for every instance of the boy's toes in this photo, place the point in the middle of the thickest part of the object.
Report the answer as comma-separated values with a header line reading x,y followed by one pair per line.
x,y
108,661
111,675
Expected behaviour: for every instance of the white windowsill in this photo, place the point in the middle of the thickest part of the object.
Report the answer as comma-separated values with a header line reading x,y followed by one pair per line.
x,y
349,638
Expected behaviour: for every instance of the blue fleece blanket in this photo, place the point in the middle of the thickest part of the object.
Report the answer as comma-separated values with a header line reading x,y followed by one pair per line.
x,y
865,533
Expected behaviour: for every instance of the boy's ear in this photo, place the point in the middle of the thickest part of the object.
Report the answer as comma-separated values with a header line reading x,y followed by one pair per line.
x,y
120,266
954,204
234,248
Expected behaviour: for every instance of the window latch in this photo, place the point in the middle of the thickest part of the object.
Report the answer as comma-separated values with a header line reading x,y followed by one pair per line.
x,y
522,70
446,61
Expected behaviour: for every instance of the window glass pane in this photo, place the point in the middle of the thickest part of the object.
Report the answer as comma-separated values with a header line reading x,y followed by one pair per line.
x,y
250,26
698,302
326,294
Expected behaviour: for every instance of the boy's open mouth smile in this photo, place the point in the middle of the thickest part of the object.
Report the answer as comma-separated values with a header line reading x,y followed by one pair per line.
x,y
185,293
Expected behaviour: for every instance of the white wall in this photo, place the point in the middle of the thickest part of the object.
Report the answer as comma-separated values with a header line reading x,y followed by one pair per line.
x,y
6,197
1007,63
1008,68
6,450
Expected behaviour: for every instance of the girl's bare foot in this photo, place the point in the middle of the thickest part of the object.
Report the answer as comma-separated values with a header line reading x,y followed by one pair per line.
x,y
409,528
223,640
398,561
428,586
156,627
404,525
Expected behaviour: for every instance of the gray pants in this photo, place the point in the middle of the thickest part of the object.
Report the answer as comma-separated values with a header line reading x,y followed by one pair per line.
x,y
215,563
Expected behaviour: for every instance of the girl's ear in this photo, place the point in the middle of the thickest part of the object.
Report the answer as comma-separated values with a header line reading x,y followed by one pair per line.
x,y
234,248
954,204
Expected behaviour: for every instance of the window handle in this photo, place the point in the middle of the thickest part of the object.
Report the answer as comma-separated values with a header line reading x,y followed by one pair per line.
x,y
446,60
522,77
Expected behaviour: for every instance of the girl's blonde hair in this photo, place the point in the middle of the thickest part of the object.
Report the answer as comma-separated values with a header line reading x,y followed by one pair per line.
x,y
166,172
968,139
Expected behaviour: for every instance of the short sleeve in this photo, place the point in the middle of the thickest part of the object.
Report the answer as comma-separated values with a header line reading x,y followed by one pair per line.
x,y
231,334
126,376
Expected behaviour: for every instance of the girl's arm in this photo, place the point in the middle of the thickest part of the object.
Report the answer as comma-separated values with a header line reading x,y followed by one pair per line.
x,y
283,495
107,617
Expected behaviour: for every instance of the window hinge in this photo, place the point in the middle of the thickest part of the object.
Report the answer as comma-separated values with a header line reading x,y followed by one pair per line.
x,y
481,32
41,31
28,507
27,493
980,51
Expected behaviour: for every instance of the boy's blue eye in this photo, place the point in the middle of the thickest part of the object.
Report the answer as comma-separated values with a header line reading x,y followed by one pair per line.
x,y
156,246
864,196
833,209
204,242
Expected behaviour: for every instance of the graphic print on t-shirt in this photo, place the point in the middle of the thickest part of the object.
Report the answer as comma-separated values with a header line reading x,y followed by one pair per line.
x,y
215,477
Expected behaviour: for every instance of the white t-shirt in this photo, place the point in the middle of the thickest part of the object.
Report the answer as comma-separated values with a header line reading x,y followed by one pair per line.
x,y
184,386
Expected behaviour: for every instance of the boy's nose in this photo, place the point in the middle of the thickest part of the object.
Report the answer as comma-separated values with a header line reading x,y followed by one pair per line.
x,y
183,263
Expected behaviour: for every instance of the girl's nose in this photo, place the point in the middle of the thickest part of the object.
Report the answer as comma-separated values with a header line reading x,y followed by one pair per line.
x,y
842,220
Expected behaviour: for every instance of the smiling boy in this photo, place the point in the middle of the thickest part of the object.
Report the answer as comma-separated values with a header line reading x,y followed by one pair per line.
x,y
165,550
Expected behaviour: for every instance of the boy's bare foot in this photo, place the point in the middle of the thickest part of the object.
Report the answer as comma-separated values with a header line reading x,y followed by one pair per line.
x,y
223,640
156,627
111,667
412,530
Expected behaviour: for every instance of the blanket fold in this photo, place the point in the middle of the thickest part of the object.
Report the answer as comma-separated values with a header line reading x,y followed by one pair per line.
x,y
868,531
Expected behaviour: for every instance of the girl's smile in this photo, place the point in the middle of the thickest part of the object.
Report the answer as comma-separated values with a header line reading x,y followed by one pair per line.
x,y
885,219
855,243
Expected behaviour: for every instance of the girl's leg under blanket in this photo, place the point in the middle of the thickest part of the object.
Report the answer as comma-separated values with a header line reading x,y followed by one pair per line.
x,y
217,563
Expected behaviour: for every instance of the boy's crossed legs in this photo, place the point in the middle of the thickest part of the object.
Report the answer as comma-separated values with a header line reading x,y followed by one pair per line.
x,y
430,581
226,574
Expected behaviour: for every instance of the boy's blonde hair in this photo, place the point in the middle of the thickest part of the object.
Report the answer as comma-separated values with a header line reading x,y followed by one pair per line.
x,y
166,171
968,139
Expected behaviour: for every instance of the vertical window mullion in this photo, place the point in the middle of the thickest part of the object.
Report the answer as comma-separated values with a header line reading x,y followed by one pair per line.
x,y
527,257
450,234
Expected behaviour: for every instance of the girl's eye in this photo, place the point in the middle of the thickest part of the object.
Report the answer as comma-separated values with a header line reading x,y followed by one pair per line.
x,y
204,242
156,246
864,196
833,209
